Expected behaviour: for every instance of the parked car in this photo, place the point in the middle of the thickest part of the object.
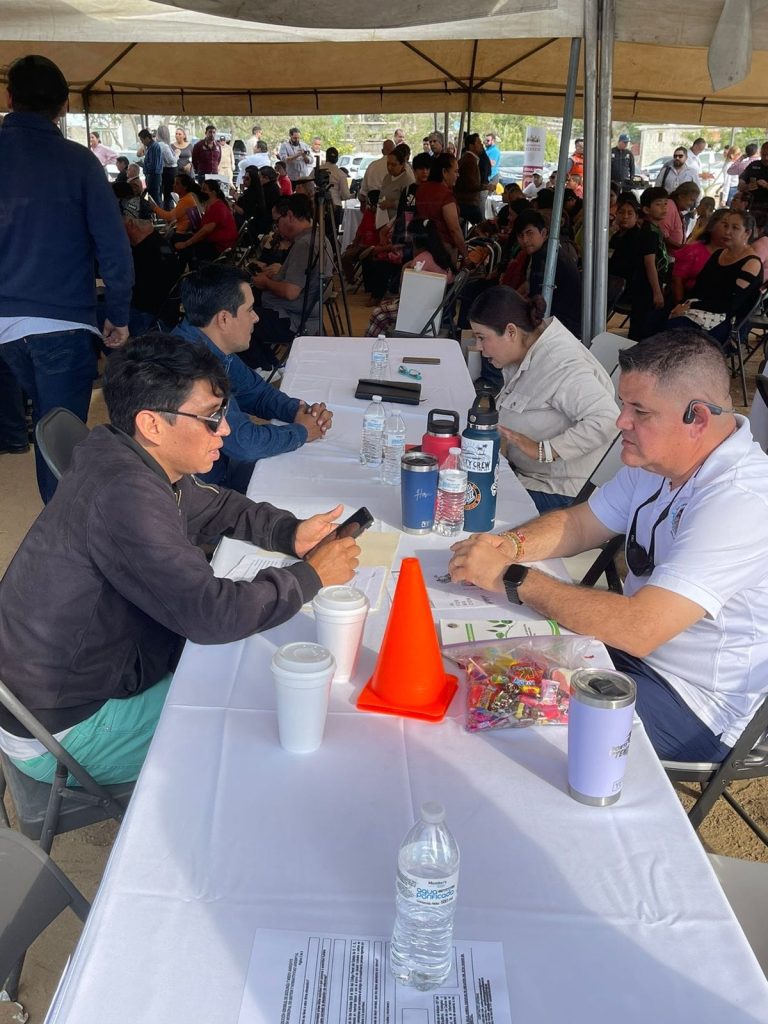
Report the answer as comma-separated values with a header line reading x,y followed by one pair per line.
x,y
358,172
511,166
350,162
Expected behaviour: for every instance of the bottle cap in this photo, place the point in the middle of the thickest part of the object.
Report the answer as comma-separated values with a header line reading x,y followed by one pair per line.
x,y
378,398
478,416
433,813
454,451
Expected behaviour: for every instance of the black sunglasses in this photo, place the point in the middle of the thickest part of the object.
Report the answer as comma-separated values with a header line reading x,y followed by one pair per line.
x,y
640,561
213,422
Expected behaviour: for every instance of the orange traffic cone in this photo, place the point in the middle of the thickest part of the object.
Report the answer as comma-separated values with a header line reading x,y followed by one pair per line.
x,y
409,678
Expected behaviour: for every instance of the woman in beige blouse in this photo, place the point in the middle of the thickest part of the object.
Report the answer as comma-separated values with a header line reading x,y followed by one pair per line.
x,y
557,411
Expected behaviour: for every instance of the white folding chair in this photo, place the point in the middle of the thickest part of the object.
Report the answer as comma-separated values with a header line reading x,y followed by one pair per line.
x,y
421,294
745,884
605,348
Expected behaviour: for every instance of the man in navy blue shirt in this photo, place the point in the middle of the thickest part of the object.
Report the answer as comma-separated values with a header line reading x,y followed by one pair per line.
x,y
153,165
219,313
53,230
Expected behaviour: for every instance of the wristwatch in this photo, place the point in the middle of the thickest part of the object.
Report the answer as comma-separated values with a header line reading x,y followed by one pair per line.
x,y
513,578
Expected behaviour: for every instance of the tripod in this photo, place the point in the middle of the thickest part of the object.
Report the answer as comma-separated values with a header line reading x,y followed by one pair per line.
x,y
322,208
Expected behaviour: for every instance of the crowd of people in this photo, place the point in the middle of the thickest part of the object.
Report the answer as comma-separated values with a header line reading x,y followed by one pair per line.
x,y
114,559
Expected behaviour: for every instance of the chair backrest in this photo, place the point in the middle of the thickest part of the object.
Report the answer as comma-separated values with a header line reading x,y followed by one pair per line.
x,y
35,891
745,884
605,348
57,434
605,470
614,291
758,414
421,294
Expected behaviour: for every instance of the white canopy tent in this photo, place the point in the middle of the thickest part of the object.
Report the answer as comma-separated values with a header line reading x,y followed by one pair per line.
x,y
514,59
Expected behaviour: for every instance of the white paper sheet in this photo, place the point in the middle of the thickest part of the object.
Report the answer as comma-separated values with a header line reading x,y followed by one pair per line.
x,y
368,578
297,978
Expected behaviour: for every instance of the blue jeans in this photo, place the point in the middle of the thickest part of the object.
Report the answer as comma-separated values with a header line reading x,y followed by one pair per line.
x,y
155,185
13,423
675,732
55,369
545,502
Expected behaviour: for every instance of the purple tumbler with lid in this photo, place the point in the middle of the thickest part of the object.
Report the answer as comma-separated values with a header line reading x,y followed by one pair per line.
x,y
599,729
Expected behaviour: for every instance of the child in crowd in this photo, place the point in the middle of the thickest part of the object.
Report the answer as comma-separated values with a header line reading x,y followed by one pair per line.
x,y
651,266
284,183
622,250
366,236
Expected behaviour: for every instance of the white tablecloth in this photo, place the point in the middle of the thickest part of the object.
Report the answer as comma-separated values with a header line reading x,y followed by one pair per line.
x,y
604,913
350,220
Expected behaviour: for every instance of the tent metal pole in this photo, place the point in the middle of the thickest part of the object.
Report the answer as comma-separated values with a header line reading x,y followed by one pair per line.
x,y
603,167
591,8
553,247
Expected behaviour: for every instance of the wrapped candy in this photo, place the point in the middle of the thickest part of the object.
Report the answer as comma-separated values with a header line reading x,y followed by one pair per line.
x,y
519,682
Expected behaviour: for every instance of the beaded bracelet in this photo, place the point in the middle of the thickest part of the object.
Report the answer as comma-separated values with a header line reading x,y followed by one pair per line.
x,y
518,539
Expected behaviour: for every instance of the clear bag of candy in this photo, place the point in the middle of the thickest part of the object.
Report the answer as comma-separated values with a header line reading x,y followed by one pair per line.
x,y
520,682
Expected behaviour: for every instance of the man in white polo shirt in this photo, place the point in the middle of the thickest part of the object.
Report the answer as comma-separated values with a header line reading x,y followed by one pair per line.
x,y
692,498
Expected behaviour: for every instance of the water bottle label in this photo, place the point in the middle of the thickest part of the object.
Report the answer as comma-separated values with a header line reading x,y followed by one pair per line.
x,y
477,454
373,423
427,892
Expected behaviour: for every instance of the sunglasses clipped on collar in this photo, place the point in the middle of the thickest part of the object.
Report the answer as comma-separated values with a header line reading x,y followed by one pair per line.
x,y
213,422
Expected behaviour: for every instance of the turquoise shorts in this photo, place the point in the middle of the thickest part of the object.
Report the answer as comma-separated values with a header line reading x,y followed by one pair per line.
x,y
112,744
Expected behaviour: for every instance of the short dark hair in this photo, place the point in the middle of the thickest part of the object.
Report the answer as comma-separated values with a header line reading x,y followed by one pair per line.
x,y
256,128
650,195
697,141
439,164
401,153
298,204
209,126
37,86
210,289
545,199
145,133
332,155
499,306
122,160
262,147
278,163
751,149
157,371
422,161
672,354
530,219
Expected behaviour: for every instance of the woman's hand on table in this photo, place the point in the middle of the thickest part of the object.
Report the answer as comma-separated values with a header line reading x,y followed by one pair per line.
x,y
482,560
525,444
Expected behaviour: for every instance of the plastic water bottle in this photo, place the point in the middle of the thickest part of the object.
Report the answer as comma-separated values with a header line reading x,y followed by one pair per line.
x,y
421,951
394,447
451,494
372,447
379,359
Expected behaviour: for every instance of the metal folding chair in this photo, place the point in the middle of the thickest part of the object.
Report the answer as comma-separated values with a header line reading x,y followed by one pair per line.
x,y
748,759
35,891
605,563
46,810
57,434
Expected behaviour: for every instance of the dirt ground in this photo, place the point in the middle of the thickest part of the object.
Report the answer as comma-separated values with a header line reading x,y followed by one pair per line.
x,y
83,855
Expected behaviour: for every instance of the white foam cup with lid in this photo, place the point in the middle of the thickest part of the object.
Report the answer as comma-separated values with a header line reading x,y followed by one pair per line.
x,y
302,673
340,614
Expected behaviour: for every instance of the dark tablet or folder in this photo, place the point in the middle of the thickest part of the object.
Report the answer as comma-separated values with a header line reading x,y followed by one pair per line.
x,y
396,391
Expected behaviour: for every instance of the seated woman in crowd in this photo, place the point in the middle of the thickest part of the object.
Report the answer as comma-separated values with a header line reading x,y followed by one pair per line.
x,y
251,206
435,201
429,254
728,284
217,231
272,194
690,260
674,227
366,236
185,218
556,408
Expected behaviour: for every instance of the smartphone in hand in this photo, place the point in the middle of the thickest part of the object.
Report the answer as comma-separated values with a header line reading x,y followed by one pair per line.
x,y
357,523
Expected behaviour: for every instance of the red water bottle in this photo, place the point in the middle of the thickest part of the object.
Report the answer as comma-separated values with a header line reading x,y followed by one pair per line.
x,y
442,433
